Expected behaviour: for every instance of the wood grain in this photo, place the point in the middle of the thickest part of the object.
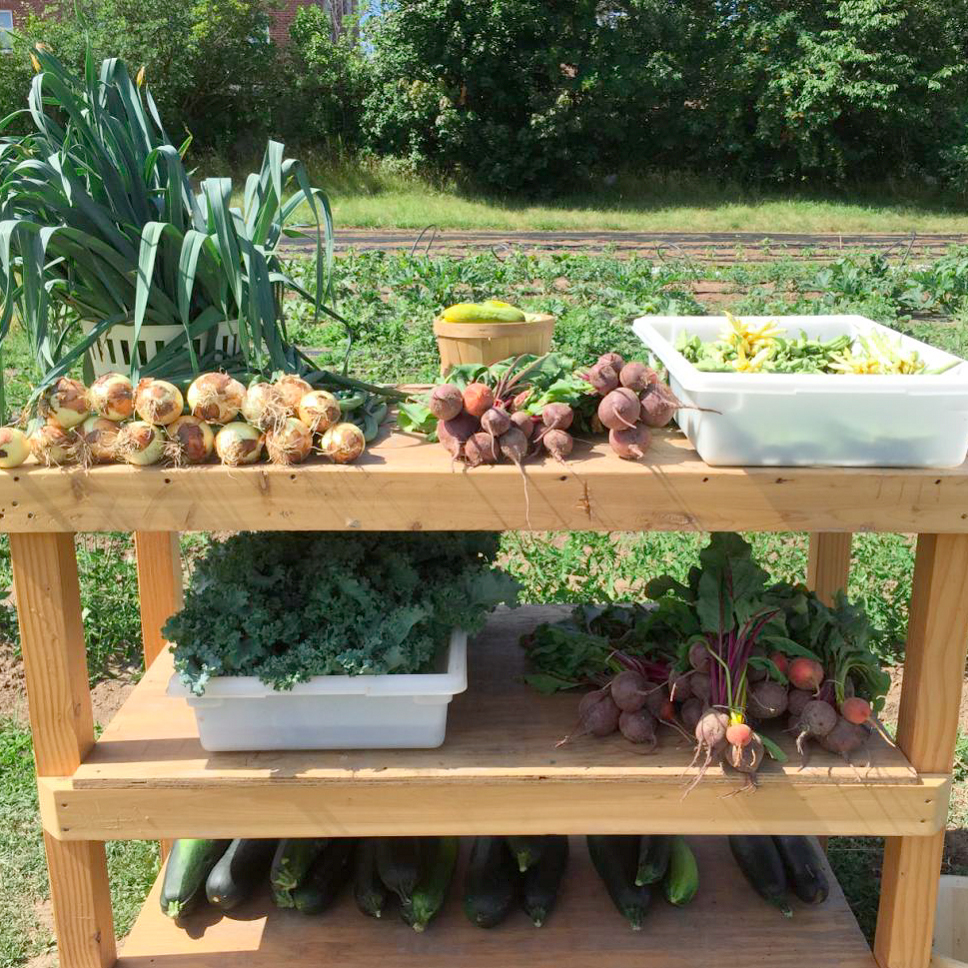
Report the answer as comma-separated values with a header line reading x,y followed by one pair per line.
x,y
584,930
159,586
62,724
927,726
499,767
390,488
828,566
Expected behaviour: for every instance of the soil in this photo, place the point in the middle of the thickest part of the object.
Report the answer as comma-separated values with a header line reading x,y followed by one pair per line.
x,y
719,247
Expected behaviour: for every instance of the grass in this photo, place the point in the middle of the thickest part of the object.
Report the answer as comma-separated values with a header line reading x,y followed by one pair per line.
x,y
391,299
375,194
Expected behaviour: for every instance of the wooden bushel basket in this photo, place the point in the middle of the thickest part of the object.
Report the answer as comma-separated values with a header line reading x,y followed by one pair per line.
x,y
488,343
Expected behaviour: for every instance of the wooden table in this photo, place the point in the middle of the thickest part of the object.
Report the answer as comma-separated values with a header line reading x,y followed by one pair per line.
x,y
498,772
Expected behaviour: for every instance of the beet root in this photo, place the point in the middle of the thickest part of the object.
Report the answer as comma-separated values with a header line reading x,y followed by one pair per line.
x,y
690,712
630,443
680,686
558,443
482,448
603,377
699,657
739,734
655,409
614,360
478,399
767,700
806,674
746,759
620,410
710,739
462,427
446,401
656,699
637,376
845,737
628,691
638,726
817,719
597,715
557,416
496,421
796,700
524,422
856,710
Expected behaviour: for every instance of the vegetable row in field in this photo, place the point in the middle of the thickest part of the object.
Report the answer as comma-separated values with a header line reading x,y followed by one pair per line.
x,y
153,422
413,875
719,657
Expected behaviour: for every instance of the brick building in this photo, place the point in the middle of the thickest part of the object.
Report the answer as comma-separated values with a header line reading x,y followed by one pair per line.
x,y
12,13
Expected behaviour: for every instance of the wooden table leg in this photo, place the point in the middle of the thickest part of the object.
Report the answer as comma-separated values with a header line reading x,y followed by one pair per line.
x,y
159,585
829,564
62,723
934,666
160,593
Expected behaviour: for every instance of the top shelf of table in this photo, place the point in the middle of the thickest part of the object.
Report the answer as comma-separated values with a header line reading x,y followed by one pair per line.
x,y
404,483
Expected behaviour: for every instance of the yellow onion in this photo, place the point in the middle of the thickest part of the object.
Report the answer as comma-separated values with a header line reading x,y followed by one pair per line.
x,y
158,401
289,444
51,444
112,397
264,406
292,389
192,440
238,443
97,440
14,447
65,403
343,443
319,410
215,398
141,443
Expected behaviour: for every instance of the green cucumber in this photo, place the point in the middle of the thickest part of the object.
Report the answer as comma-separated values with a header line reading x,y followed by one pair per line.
x,y
526,850
370,892
189,864
760,862
290,866
804,864
615,859
654,854
682,878
398,859
330,871
429,895
240,872
490,883
539,890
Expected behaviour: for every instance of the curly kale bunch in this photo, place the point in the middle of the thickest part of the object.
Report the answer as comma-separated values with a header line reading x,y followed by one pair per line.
x,y
285,607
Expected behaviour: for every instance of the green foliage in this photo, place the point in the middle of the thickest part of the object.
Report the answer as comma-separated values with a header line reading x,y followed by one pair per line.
x,y
328,79
285,607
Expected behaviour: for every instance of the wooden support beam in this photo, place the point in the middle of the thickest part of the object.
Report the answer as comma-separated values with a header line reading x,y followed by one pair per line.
x,y
934,667
62,724
829,564
159,585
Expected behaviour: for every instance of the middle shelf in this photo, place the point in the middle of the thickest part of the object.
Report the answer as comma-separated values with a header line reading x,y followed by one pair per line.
x,y
498,772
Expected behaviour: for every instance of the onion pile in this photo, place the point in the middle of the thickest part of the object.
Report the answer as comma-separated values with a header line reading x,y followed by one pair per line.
x,y
93,425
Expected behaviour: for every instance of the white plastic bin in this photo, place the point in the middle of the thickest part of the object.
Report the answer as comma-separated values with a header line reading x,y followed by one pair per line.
x,y
112,352
813,418
950,947
330,712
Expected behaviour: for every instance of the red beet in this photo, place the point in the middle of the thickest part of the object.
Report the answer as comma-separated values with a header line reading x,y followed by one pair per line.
x,y
637,376
481,448
767,700
524,422
557,416
461,427
691,712
446,401
638,727
628,690
699,657
558,443
796,700
845,737
619,410
613,360
655,409
496,421
603,378
630,443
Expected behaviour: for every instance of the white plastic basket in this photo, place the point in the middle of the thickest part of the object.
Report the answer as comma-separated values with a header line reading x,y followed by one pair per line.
x,y
767,419
113,350
330,712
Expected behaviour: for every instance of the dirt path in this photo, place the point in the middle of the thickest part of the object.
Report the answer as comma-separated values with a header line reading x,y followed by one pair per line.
x,y
720,247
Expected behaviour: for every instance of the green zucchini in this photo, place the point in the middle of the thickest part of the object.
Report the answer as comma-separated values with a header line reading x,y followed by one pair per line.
x,y
682,878
760,862
429,895
398,859
370,892
490,883
240,872
189,864
616,859
539,890
291,865
330,871
526,850
654,854
804,864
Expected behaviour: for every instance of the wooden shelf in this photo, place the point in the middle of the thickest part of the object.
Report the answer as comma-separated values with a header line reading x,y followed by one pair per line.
x,y
584,930
497,772
404,483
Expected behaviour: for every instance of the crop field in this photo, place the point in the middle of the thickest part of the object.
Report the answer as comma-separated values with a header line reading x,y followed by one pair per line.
x,y
389,299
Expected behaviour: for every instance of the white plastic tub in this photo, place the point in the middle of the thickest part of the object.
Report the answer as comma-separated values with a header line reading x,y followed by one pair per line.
x,y
815,419
330,712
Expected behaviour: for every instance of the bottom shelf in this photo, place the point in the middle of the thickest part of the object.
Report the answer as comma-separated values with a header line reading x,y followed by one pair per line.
x,y
727,920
